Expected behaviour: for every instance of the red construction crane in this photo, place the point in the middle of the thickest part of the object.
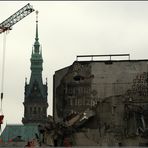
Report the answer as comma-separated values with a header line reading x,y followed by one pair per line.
x,y
4,27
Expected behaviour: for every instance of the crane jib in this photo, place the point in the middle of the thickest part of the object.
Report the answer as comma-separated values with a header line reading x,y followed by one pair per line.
x,y
16,17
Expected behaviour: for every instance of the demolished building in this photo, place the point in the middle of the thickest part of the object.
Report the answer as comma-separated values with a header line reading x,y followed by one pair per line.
x,y
116,91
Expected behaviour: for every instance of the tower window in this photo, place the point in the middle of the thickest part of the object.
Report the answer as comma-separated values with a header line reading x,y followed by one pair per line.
x,y
25,109
44,110
31,110
39,109
34,110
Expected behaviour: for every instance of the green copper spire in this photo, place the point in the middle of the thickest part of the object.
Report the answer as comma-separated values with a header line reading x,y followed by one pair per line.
x,y
36,57
36,44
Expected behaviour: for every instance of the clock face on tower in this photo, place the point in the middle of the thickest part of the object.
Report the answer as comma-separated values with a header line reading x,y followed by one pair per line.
x,y
35,92
35,88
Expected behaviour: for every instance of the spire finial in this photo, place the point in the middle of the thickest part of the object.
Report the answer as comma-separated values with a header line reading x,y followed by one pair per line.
x,y
25,80
37,12
36,44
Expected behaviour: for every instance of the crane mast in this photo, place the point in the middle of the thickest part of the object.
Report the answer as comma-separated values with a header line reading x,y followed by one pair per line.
x,y
4,27
16,17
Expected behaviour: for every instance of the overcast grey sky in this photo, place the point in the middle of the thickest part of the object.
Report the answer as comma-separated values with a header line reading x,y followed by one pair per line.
x,y
67,29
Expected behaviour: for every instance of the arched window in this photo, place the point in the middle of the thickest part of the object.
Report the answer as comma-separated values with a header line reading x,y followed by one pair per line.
x,y
34,110
25,110
44,111
39,110
31,110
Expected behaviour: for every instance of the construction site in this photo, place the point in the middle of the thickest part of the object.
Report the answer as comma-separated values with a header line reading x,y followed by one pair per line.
x,y
95,102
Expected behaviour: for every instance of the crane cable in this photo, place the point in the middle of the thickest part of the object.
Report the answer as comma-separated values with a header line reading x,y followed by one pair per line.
x,y
3,69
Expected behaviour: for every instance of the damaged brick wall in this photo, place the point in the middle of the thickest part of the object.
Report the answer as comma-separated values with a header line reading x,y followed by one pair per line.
x,y
74,92
111,87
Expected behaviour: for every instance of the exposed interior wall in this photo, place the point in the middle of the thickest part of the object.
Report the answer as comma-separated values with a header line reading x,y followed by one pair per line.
x,y
116,78
118,89
56,82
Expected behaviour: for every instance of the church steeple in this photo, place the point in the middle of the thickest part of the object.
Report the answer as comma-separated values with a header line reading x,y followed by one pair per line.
x,y
35,102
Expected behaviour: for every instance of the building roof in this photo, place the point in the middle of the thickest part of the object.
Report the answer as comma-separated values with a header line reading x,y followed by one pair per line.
x,y
18,131
102,61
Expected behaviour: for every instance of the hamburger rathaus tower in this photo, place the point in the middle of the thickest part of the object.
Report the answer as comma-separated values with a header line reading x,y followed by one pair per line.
x,y
35,101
